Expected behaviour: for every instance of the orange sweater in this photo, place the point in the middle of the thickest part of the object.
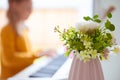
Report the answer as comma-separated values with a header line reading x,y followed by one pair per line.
x,y
16,53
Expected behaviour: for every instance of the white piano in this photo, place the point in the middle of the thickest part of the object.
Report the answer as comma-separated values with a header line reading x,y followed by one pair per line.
x,y
62,72
46,69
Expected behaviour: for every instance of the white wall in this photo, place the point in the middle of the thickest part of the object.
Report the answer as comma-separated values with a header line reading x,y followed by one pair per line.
x,y
111,68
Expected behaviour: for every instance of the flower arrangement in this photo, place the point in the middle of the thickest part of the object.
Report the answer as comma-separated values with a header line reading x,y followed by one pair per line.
x,y
90,39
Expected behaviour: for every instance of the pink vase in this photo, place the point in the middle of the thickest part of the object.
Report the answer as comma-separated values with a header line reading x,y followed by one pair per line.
x,y
90,70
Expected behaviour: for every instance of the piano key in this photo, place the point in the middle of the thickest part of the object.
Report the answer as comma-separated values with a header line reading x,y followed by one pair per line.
x,y
50,69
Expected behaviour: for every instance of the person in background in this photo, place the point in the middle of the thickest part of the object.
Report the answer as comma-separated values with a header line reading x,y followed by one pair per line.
x,y
16,54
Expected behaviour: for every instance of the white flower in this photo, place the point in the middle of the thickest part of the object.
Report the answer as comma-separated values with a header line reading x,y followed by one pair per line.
x,y
87,44
116,49
86,26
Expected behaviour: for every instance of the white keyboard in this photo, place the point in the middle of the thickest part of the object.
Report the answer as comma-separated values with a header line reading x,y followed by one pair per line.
x,y
60,73
63,72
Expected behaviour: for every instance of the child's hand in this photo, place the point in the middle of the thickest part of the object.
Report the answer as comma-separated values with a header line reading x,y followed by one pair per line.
x,y
48,53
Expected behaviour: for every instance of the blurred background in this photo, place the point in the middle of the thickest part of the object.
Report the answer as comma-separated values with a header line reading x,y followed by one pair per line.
x,y
46,15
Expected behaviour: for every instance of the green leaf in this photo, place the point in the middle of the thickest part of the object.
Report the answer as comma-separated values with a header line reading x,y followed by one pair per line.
x,y
109,15
95,16
100,57
109,35
107,24
87,18
97,46
67,53
97,20
112,27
